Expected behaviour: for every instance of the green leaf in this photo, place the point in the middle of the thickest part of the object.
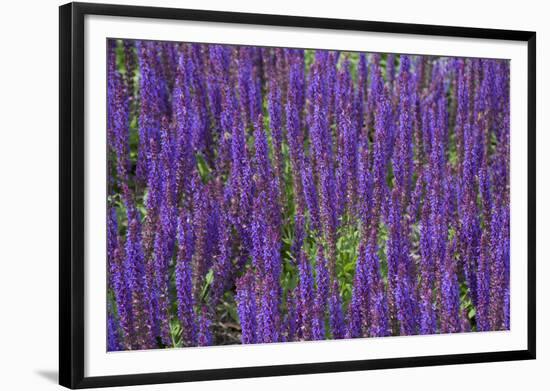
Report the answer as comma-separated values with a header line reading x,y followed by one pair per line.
x,y
232,310
207,282
202,166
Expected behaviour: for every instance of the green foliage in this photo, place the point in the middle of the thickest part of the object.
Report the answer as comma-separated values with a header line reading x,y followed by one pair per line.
x,y
206,286
347,247
203,168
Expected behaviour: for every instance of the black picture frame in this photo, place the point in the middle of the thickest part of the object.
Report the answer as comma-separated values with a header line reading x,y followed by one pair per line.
x,y
71,190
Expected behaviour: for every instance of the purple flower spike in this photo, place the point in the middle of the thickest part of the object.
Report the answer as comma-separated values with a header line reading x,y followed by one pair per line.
x,y
450,311
184,281
246,307
269,313
337,325
204,336
305,298
134,274
113,337
290,321
321,297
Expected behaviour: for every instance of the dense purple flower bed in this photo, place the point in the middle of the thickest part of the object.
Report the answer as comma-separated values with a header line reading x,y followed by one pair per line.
x,y
266,195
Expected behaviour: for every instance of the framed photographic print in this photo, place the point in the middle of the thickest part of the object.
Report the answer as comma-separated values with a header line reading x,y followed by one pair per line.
x,y
260,195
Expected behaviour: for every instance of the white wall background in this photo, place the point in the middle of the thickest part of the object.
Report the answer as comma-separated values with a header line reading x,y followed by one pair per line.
x,y
29,192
